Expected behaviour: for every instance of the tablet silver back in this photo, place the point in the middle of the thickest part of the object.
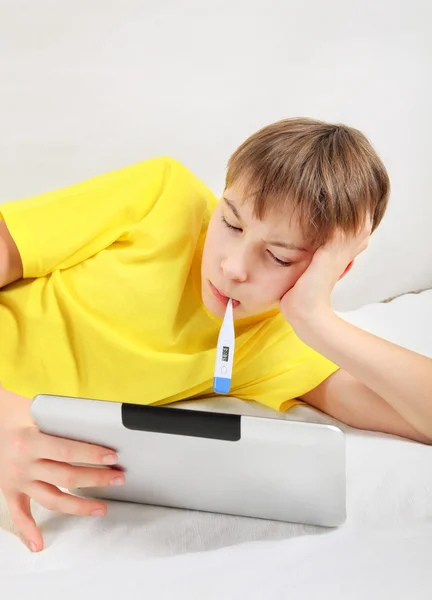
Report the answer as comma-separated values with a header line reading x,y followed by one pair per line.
x,y
241,465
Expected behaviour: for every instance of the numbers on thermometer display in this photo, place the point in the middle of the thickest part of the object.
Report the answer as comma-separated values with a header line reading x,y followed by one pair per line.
x,y
225,353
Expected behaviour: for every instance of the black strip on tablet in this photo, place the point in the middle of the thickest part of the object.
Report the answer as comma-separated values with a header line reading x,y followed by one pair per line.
x,y
178,421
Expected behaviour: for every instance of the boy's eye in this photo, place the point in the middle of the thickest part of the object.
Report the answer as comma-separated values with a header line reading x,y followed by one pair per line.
x,y
278,261
225,222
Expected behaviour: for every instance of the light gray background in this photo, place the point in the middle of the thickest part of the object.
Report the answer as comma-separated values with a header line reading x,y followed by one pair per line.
x,y
91,86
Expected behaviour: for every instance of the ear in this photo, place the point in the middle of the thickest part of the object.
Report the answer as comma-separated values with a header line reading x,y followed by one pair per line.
x,y
348,268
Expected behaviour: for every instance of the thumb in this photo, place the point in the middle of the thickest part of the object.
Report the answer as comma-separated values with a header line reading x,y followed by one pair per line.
x,y
19,508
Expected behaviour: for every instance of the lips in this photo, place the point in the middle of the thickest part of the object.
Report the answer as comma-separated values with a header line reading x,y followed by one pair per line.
x,y
222,297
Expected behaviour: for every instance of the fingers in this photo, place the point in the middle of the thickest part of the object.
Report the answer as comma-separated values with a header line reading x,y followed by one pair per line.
x,y
67,476
369,223
69,451
347,269
19,508
351,243
53,499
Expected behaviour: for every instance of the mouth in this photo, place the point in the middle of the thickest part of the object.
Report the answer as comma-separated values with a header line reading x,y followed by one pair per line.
x,y
221,297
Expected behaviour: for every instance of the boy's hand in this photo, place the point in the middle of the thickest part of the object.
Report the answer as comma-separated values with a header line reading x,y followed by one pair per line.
x,y
34,465
309,299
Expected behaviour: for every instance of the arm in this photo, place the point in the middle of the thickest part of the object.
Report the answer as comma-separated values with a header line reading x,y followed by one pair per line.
x,y
62,228
382,386
10,261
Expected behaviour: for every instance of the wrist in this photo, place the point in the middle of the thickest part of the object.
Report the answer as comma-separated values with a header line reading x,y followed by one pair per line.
x,y
15,408
315,328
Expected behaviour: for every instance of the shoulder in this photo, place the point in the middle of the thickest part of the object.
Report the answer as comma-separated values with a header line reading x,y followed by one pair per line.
x,y
180,169
182,180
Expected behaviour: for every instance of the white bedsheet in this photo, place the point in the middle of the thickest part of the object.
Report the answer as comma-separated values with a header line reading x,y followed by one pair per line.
x,y
384,550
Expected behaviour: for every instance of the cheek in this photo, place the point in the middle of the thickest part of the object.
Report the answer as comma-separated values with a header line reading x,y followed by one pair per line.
x,y
214,241
290,278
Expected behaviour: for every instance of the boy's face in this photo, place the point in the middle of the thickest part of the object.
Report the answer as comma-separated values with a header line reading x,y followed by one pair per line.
x,y
244,263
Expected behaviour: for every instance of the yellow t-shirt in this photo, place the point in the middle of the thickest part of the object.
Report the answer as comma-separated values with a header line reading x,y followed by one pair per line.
x,y
110,305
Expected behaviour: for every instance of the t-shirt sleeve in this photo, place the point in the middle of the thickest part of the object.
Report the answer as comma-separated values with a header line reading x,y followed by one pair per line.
x,y
284,371
62,228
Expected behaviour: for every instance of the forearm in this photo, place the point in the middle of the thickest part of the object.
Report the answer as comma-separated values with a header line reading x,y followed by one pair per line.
x,y
401,377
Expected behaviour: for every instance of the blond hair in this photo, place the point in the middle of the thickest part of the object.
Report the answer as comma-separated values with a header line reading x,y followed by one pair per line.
x,y
326,175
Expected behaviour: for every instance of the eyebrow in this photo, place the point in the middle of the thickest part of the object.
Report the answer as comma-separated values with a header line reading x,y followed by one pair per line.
x,y
286,245
233,208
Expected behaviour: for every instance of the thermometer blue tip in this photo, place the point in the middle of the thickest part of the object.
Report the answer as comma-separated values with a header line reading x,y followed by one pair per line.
x,y
221,385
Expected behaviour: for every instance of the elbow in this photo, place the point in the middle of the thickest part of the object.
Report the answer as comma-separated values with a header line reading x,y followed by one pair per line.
x,y
422,438
426,435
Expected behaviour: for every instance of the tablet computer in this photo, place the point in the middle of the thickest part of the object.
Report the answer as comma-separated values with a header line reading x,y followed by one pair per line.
x,y
208,461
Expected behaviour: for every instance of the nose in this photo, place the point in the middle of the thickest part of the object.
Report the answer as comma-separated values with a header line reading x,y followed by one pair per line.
x,y
234,267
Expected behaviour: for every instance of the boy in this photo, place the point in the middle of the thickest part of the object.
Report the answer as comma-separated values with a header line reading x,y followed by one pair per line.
x,y
115,289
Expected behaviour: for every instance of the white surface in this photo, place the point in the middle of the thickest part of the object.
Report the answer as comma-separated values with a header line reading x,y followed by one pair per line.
x,y
87,87
387,564
382,552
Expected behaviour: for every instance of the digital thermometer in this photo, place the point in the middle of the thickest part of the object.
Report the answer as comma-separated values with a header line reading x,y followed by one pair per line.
x,y
225,353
